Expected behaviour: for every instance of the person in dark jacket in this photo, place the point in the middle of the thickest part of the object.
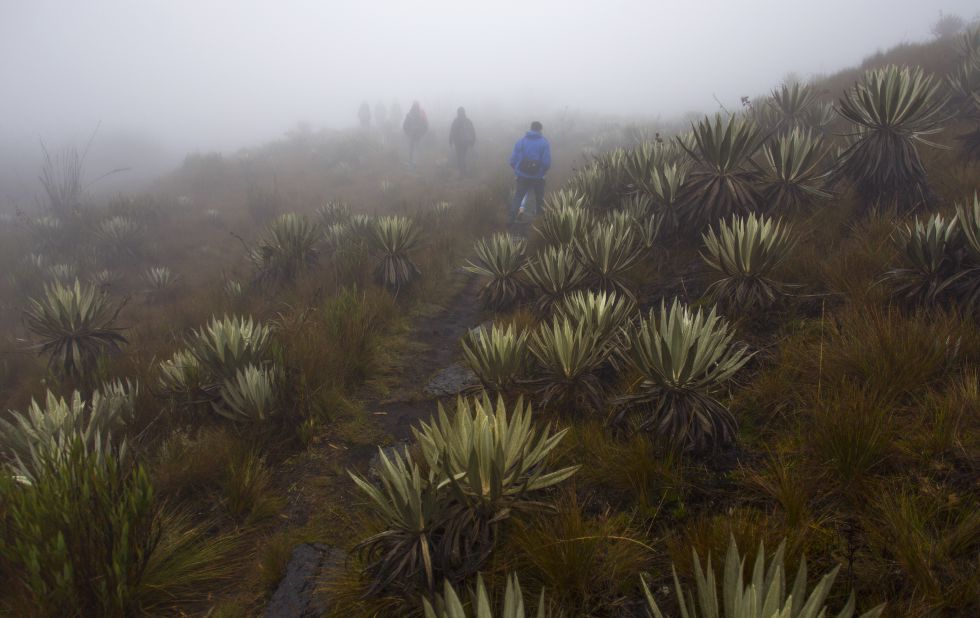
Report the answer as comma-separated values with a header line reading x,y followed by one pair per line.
x,y
416,125
530,161
462,137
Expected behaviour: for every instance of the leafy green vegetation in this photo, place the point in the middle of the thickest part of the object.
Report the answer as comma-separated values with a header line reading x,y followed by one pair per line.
x,y
485,465
555,272
501,258
74,324
395,238
747,251
564,219
569,357
684,358
449,606
764,594
722,181
608,252
41,431
892,110
832,411
498,356
795,173
289,247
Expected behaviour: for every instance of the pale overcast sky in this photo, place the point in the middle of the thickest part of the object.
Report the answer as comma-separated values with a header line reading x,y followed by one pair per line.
x,y
201,74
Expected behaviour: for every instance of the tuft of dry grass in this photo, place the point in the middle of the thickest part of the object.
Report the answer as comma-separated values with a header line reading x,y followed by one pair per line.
x,y
247,491
194,466
192,563
781,481
220,469
632,473
347,593
896,356
946,422
850,435
928,545
589,563
337,344
851,270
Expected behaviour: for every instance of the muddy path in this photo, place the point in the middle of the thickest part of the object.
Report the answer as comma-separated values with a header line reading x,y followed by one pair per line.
x,y
431,369
316,477
427,368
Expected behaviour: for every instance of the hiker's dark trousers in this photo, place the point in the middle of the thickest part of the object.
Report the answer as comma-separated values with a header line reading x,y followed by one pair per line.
x,y
523,186
461,152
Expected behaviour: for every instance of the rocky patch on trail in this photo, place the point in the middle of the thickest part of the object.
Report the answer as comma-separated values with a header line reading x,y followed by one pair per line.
x,y
296,595
451,381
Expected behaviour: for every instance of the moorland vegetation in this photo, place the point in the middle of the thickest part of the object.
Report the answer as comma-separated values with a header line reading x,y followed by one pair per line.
x,y
758,331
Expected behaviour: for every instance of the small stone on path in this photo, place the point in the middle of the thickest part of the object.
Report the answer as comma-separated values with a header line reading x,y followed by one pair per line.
x,y
451,381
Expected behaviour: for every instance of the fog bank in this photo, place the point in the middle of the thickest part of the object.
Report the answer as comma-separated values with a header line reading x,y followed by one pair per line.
x,y
190,75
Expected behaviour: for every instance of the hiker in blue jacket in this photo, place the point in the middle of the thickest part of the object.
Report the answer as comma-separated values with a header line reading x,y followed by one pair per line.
x,y
530,160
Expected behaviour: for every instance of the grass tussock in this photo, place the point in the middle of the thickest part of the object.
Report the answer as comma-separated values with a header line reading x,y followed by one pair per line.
x,y
851,436
948,427
630,472
929,540
587,563
895,355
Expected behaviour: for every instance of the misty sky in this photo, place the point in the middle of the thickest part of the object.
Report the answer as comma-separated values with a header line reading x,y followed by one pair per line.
x,y
202,75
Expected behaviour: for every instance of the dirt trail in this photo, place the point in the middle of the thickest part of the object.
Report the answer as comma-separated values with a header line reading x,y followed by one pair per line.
x,y
428,369
434,348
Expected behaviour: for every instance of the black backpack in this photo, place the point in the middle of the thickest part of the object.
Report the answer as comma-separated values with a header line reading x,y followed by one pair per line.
x,y
531,167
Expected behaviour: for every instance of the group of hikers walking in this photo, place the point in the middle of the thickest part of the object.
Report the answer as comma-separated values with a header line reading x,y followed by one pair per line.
x,y
382,114
462,135
530,159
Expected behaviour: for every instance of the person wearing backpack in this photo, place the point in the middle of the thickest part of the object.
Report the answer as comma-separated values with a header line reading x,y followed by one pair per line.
x,y
416,125
530,161
462,137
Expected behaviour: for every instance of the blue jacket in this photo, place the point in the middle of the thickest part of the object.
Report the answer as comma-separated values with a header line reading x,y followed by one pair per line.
x,y
532,146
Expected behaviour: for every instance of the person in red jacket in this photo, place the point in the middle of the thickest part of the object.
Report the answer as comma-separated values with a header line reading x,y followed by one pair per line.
x,y
416,125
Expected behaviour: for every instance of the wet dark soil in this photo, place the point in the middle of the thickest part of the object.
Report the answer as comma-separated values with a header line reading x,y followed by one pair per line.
x,y
428,370
435,348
